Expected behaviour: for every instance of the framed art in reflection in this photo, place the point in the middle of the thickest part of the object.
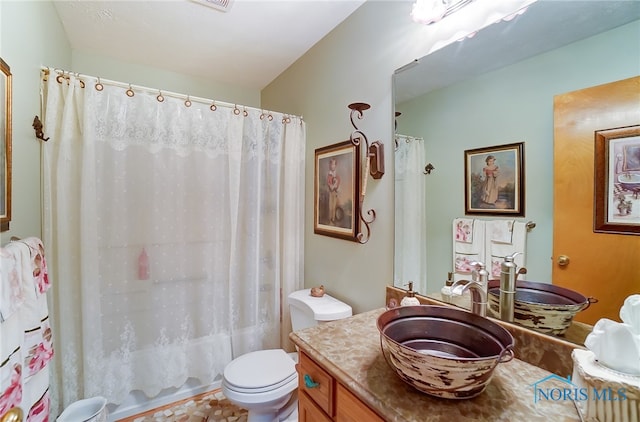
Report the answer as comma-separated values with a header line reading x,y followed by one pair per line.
x,y
494,180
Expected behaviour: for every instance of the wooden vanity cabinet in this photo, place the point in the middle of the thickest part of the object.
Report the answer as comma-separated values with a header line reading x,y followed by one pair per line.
x,y
323,399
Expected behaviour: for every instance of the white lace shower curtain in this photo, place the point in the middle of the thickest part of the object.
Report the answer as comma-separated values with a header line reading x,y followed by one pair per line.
x,y
174,233
410,261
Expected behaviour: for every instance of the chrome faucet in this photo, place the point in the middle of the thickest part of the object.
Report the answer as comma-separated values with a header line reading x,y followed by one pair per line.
x,y
478,287
478,295
480,274
508,274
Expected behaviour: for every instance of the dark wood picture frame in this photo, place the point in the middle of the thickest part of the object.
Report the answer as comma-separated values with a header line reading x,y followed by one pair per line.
x,y
617,181
5,145
494,180
337,191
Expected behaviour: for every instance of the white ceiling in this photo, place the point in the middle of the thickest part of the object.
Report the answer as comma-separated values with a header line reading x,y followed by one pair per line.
x,y
248,46
256,40
545,26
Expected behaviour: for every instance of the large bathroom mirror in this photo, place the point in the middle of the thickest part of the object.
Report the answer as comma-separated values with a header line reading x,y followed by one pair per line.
x,y
493,89
5,146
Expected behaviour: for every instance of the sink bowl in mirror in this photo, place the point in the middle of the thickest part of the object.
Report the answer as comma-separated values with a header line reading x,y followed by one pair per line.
x,y
540,306
443,351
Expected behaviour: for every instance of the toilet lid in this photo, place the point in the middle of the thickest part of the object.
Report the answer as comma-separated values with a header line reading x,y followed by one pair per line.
x,y
261,370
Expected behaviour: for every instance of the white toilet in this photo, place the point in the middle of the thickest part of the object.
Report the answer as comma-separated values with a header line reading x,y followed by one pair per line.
x,y
265,382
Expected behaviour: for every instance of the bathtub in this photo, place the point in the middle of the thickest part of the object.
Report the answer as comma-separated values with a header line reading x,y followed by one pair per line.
x,y
138,402
629,181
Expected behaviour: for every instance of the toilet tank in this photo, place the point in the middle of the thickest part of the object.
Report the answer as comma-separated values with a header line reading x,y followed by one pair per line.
x,y
307,311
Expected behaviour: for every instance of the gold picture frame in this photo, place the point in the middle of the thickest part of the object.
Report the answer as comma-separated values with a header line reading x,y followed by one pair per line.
x,y
337,191
5,146
617,181
494,180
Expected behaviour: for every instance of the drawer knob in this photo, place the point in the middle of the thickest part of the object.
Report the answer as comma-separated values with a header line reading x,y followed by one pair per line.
x,y
309,382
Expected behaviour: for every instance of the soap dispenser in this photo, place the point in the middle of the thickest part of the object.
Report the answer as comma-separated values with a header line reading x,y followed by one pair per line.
x,y
410,299
446,289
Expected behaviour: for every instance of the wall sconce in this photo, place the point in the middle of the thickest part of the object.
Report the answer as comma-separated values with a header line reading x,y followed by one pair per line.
x,y
432,11
374,164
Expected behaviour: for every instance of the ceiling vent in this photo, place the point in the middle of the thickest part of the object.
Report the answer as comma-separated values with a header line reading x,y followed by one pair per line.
x,y
222,5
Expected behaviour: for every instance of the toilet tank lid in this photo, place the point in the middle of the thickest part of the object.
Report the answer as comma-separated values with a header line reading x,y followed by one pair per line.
x,y
325,308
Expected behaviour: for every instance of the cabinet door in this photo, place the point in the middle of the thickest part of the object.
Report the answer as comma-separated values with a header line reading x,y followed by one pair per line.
x,y
317,383
308,411
350,409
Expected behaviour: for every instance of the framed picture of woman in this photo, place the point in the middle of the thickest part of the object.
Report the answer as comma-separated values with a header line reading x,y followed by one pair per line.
x,y
494,180
336,191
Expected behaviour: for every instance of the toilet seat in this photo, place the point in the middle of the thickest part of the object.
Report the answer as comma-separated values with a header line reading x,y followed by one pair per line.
x,y
260,372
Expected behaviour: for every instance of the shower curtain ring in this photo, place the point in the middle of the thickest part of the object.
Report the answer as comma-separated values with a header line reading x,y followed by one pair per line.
x,y
187,102
236,110
245,113
130,92
160,98
99,86
213,106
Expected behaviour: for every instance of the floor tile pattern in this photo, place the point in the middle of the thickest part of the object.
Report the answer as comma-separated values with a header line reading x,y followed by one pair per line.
x,y
209,407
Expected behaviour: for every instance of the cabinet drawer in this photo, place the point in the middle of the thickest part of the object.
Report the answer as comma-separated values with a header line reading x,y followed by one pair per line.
x,y
317,383
351,409
308,411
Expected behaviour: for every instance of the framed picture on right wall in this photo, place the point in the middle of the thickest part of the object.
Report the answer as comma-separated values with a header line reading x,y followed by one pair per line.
x,y
617,181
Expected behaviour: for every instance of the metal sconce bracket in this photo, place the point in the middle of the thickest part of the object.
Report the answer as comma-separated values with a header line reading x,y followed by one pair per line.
x,y
376,155
374,165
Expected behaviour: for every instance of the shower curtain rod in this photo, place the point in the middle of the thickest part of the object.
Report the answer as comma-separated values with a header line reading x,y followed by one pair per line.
x,y
409,138
406,138
214,104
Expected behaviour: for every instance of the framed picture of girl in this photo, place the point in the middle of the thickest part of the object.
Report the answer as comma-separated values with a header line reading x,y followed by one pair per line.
x,y
336,191
494,180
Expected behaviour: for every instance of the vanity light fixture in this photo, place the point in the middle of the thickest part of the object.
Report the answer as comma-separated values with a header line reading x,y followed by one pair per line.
x,y
221,5
432,11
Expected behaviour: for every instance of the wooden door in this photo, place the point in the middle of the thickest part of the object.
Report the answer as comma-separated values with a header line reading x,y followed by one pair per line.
x,y
601,265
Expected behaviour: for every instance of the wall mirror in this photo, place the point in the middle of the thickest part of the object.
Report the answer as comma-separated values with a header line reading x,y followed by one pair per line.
x,y
495,88
5,146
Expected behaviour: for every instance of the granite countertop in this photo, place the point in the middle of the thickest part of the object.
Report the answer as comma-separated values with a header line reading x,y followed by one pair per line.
x,y
349,349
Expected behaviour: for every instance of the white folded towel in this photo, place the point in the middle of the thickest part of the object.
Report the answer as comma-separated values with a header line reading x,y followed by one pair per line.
x,y
500,231
630,313
615,346
470,250
497,250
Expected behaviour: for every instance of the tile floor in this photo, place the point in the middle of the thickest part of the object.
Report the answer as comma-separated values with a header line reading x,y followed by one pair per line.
x,y
207,407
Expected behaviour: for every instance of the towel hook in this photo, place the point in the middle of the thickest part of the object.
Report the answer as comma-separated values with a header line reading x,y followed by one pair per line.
x,y
428,168
37,126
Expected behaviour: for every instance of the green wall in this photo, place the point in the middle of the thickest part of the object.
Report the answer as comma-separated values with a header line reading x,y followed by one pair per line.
x,y
356,62
31,36
512,104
